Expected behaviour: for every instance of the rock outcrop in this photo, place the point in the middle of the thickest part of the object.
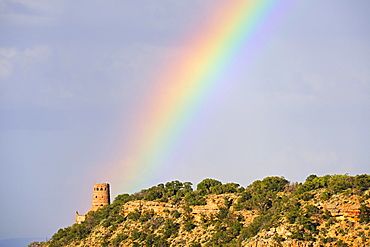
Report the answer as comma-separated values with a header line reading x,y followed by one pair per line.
x,y
270,212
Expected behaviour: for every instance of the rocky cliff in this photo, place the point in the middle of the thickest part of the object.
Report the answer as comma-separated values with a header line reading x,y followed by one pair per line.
x,y
333,210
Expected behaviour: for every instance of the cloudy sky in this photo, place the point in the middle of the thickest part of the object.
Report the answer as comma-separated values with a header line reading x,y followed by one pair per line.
x,y
74,75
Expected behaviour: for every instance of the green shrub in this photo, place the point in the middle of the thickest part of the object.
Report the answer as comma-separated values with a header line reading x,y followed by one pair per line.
x,y
189,225
170,228
364,215
193,198
306,196
325,196
205,186
119,239
133,215
340,243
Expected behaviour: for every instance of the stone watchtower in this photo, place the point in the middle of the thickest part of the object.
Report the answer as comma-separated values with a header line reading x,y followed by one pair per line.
x,y
101,197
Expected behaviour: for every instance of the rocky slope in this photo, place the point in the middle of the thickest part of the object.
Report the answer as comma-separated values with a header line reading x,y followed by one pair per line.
x,y
333,210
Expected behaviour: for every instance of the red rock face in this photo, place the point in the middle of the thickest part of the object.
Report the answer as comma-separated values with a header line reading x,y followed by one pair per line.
x,y
345,211
349,209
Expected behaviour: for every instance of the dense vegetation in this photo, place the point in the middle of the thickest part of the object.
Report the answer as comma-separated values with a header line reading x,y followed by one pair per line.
x,y
273,201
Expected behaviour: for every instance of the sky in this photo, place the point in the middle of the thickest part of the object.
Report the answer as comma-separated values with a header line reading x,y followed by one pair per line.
x,y
77,79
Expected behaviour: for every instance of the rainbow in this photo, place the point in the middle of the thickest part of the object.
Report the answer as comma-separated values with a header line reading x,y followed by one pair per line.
x,y
233,31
